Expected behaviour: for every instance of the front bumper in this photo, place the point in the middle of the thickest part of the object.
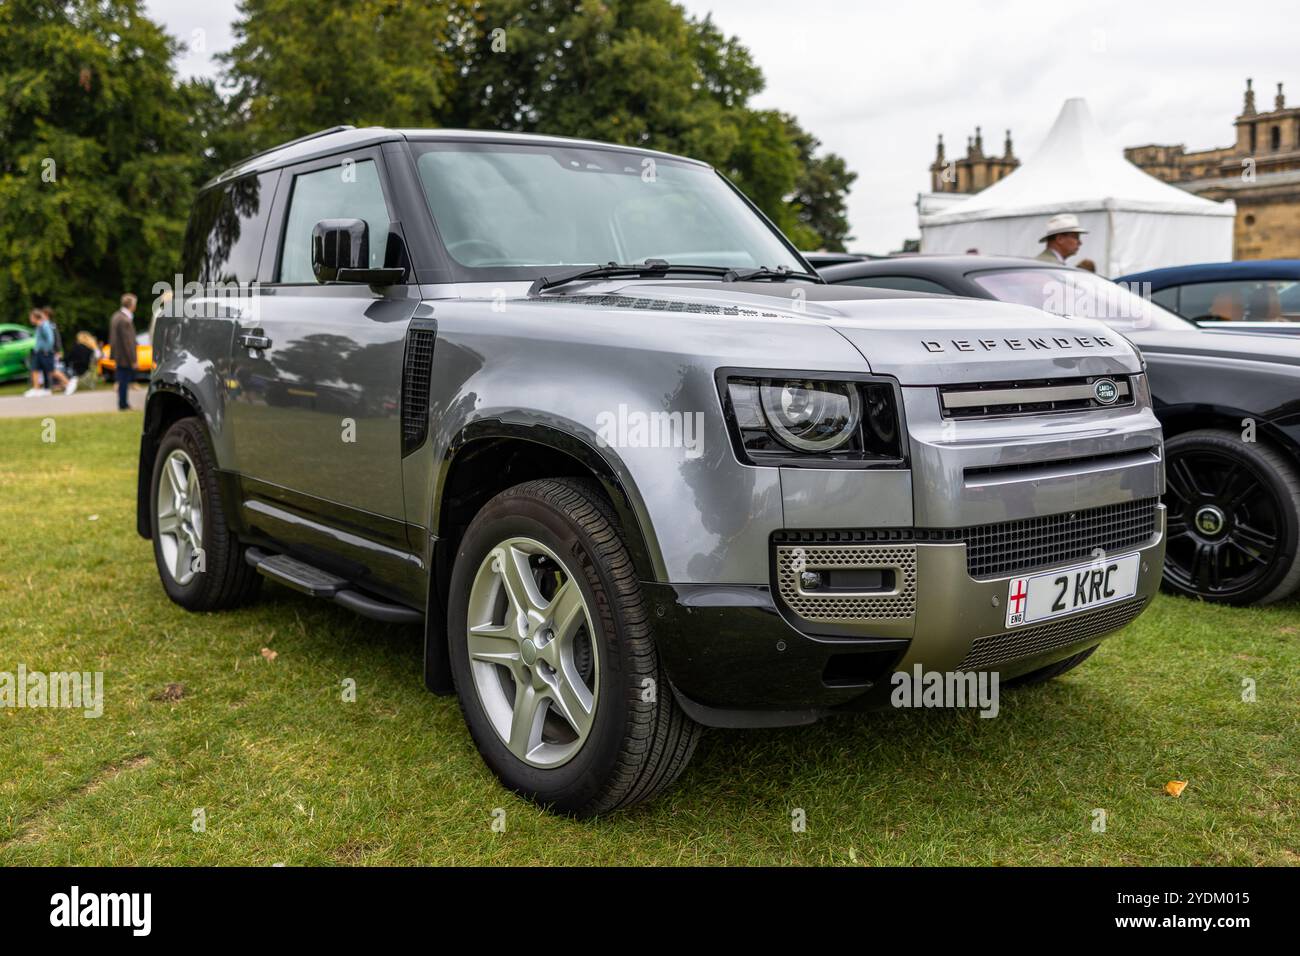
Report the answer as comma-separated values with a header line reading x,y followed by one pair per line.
x,y
738,656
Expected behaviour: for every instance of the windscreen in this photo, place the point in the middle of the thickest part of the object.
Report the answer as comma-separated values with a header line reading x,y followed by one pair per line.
x,y
503,206
1071,292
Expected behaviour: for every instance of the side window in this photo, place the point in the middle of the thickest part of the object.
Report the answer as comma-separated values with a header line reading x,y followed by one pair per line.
x,y
901,283
1165,298
1225,301
223,242
339,192
1259,300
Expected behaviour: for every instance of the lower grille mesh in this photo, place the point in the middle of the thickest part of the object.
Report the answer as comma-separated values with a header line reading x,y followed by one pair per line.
x,y
986,652
1013,547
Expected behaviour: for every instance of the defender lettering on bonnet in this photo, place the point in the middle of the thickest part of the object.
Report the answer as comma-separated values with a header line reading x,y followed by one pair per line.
x,y
1030,343
530,478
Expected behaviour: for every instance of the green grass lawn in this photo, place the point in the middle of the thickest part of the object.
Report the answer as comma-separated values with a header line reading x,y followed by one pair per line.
x,y
15,386
287,772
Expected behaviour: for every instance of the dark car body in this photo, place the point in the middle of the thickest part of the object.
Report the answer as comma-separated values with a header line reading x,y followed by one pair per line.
x,y
1200,378
1256,294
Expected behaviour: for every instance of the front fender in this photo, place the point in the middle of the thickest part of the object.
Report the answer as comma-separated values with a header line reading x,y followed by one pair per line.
x,y
639,393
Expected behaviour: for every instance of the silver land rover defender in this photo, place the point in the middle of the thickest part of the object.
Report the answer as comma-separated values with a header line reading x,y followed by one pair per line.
x,y
586,416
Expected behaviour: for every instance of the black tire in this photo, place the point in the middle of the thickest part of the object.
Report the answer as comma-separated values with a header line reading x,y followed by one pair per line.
x,y
226,581
1253,492
635,748
1044,674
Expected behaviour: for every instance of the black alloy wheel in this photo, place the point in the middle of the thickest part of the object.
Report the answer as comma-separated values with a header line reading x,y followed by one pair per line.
x,y
1233,519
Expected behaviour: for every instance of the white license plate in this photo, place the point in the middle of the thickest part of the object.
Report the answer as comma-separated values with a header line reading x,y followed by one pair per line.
x,y
1067,590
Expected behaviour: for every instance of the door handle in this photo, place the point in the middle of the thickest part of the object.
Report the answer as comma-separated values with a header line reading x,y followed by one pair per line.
x,y
253,340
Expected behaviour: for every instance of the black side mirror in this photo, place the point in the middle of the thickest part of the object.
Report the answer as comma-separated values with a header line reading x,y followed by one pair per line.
x,y
340,252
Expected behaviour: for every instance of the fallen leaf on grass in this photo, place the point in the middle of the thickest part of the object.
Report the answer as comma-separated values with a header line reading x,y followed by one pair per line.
x,y
269,654
1175,787
170,692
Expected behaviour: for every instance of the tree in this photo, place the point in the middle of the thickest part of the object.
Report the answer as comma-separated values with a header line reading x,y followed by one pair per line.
x,y
103,148
637,72
100,157
821,190
641,72
301,67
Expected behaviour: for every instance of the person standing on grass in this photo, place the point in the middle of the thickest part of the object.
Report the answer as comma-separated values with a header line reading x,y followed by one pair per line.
x,y
121,344
42,355
44,374
61,377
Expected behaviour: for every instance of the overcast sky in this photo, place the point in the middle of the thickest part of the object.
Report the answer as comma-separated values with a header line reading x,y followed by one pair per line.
x,y
876,81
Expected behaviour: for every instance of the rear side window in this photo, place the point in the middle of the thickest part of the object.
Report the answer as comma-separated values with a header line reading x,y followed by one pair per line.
x,y
350,191
223,242
901,283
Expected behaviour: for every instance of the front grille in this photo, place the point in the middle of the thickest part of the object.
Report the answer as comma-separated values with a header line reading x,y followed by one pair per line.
x,y
832,608
996,649
1000,399
1014,547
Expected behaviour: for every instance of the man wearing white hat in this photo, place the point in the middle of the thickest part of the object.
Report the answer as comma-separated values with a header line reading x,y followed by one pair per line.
x,y
1062,238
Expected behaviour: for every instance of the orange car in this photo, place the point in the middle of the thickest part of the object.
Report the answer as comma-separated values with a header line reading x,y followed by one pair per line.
x,y
143,359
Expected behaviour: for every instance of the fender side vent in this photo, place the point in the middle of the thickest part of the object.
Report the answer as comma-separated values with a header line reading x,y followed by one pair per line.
x,y
417,369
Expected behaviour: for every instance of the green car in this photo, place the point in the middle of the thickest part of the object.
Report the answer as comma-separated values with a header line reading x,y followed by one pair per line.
x,y
16,343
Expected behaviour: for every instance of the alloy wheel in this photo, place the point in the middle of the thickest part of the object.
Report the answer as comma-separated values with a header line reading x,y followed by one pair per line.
x,y
532,652
1225,523
178,516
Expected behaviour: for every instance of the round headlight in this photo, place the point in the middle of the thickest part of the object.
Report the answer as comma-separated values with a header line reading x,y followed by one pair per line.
x,y
812,416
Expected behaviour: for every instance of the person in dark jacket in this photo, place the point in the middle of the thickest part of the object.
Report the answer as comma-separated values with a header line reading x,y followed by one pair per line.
x,y
82,356
121,343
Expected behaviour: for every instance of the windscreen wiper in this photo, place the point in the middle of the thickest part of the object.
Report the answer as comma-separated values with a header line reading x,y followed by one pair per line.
x,y
650,268
779,274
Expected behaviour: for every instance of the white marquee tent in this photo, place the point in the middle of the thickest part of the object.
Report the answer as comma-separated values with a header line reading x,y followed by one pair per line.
x,y
1134,221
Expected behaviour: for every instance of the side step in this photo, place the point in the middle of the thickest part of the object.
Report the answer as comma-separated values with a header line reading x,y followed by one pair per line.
x,y
315,582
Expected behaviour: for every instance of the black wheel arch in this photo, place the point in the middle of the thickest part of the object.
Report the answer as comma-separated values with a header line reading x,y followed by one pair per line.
x,y
1177,419
167,404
